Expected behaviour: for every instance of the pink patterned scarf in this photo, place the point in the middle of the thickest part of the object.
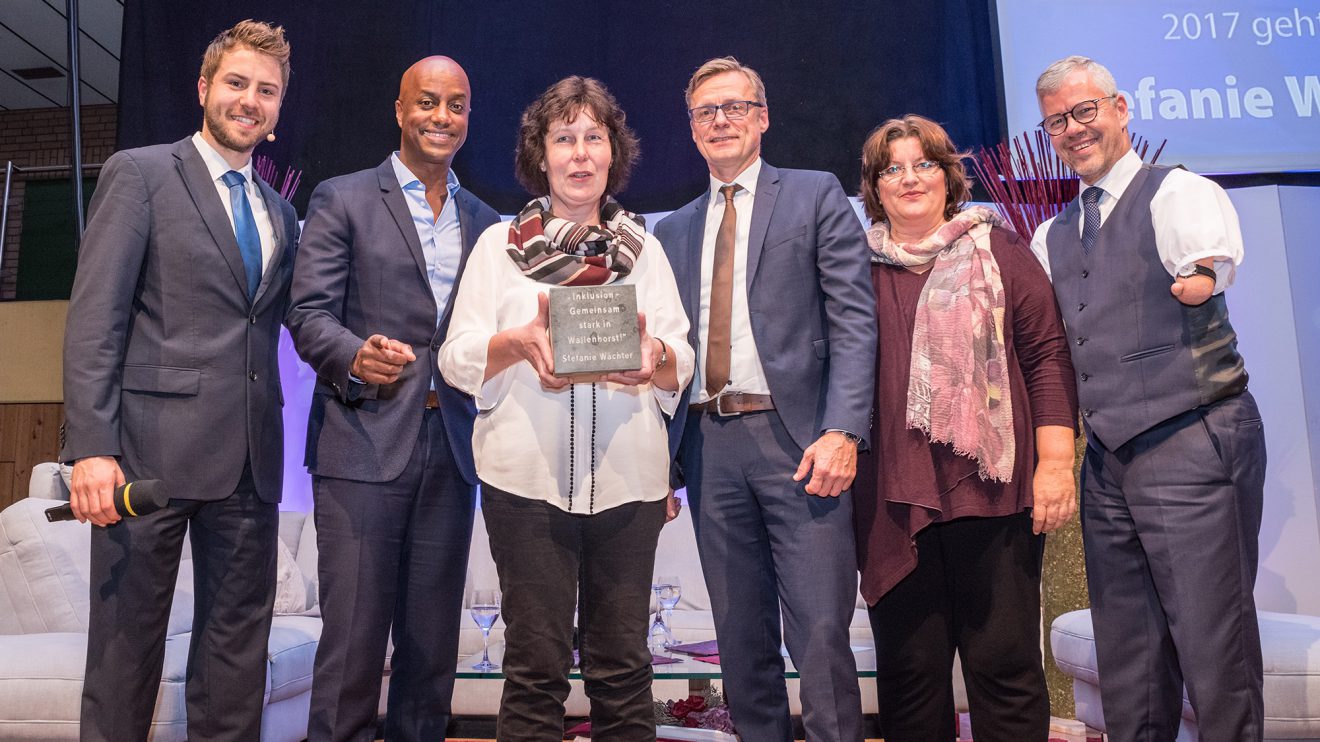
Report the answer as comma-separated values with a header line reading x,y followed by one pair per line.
x,y
958,387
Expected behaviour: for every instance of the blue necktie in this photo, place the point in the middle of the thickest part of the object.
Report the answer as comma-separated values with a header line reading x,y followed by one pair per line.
x,y
1090,217
245,229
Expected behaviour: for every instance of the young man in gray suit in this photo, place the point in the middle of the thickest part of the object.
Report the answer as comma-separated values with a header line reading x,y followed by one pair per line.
x,y
774,271
389,444
1174,474
170,373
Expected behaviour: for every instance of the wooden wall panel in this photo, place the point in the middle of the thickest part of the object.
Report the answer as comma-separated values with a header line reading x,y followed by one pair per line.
x,y
29,435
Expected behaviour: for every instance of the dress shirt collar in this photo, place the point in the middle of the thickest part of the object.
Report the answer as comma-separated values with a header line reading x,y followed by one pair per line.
x,y
408,181
747,179
1119,177
215,163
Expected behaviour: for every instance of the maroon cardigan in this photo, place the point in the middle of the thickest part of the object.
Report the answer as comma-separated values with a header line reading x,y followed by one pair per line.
x,y
906,482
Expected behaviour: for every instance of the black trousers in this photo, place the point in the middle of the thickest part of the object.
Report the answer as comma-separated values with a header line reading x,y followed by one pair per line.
x,y
976,589
393,559
550,563
134,565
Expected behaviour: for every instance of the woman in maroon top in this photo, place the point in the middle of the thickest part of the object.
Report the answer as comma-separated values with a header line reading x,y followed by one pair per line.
x,y
972,447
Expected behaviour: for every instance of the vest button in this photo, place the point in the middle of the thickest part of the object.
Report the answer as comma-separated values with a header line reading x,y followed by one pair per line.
x,y
1087,412
1081,341
1085,274
1086,377
1081,306
252,376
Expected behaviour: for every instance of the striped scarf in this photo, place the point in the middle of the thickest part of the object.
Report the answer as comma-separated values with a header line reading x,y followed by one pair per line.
x,y
958,385
548,249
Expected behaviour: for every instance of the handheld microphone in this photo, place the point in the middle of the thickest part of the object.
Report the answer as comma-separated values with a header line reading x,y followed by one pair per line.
x,y
131,499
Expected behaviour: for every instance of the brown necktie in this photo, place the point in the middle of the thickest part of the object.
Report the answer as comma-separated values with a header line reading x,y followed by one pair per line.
x,y
719,337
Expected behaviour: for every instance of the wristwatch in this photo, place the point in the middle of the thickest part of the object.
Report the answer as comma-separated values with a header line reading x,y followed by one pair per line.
x,y
853,438
1196,269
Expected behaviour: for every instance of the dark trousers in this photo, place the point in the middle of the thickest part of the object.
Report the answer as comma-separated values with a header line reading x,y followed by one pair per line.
x,y
391,553
134,565
550,563
767,546
1170,522
976,590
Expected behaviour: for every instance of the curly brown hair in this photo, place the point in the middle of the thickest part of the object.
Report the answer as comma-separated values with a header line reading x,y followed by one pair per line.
x,y
935,145
258,36
564,101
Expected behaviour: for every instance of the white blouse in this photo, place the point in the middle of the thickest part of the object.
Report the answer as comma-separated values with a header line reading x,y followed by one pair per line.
x,y
521,440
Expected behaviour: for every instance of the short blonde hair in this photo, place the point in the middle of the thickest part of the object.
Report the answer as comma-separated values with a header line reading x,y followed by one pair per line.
x,y
719,66
259,36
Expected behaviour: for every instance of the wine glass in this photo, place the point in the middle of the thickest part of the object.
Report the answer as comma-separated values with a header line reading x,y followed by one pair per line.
x,y
484,605
667,590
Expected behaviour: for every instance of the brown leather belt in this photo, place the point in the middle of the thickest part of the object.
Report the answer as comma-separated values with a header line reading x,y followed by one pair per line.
x,y
432,400
734,403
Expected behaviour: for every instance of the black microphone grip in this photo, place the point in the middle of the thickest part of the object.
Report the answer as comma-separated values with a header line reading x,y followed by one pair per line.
x,y
131,499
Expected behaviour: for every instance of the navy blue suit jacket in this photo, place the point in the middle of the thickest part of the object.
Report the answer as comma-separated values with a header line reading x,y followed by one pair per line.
x,y
360,272
809,296
167,363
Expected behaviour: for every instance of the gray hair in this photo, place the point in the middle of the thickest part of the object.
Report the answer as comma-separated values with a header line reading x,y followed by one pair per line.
x,y
1052,78
719,66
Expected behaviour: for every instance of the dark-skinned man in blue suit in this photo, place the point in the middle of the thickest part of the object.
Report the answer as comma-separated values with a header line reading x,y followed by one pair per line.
x,y
171,373
389,444
773,267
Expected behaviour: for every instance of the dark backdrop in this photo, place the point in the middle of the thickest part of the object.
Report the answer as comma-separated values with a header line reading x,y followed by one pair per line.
x,y
833,70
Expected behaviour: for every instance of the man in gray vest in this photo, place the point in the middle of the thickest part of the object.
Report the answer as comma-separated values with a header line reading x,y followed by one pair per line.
x,y
1173,477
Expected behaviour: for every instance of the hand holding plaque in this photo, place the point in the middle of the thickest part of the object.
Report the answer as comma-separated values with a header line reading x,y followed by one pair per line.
x,y
649,357
530,343
594,332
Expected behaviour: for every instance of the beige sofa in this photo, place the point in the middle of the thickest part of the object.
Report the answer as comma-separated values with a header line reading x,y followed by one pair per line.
x,y
44,600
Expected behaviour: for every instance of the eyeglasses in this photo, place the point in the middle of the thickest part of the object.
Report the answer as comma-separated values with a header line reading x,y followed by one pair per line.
x,y
734,109
923,169
1083,113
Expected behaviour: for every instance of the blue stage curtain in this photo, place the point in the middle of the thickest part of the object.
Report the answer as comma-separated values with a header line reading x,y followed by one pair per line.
x,y
833,71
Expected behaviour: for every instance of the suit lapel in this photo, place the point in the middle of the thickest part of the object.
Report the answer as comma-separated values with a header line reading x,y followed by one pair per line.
x,y
692,256
398,208
197,179
767,191
466,206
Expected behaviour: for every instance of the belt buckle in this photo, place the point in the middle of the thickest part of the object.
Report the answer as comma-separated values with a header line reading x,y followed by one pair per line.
x,y
719,405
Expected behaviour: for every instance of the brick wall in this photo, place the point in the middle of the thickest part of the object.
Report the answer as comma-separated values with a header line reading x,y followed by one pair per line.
x,y
37,137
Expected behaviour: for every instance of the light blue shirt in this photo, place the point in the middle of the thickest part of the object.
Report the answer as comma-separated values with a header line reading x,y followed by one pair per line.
x,y
441,238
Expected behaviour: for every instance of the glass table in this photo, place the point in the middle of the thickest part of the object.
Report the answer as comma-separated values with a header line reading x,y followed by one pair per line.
x,y
698,674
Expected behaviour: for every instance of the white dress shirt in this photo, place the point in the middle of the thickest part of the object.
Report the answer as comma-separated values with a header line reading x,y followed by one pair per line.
x,y
1192,216
217,167
521,437
745,372
440,235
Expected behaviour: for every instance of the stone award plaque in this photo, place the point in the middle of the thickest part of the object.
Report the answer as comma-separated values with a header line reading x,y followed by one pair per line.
x,y
593,330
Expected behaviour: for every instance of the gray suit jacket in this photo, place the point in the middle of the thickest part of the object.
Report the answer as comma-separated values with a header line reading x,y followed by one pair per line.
x,y
361,271
167,364
809,295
